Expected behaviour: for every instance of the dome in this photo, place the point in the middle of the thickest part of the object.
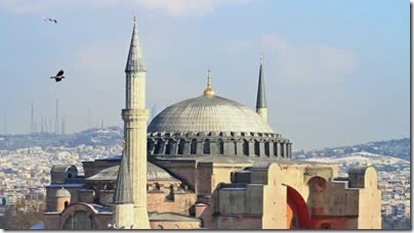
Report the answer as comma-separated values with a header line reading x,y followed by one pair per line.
x,y
62,193
154,173
208,114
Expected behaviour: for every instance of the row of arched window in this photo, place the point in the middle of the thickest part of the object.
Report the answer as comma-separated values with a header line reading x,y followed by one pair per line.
x,y
219,147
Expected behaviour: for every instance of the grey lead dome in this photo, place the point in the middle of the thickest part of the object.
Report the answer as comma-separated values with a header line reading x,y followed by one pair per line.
x,y
208,114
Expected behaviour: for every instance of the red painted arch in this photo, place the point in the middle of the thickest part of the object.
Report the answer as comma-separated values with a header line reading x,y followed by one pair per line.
x,y
299,208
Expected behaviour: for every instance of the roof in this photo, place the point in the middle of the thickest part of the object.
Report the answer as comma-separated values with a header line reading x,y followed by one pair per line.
x,y
208,114
135,60
258,162
62,168
154,173
170,216
358,170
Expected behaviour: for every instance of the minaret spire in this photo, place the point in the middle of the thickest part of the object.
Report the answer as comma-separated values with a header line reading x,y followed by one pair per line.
x,y
209,91
135,62
261,106
135,117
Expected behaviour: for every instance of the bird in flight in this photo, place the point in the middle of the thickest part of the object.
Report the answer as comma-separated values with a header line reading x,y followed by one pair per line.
x,y
50,20
59,76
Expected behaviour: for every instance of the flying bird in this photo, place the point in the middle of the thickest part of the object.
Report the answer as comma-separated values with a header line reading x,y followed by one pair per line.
x,y
59,76
50,20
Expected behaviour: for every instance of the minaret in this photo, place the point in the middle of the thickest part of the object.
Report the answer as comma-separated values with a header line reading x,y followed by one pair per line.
x,y
57,116
32,120
261,107
123,217
135,117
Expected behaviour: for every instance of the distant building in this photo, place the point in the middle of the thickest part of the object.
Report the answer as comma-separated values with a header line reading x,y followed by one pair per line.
x,y
207,162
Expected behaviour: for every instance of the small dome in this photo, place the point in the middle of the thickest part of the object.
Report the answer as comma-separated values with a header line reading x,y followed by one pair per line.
x,y
208,114
62,193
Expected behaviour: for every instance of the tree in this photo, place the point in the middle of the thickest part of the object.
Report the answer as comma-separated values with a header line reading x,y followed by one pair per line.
x,y
23,214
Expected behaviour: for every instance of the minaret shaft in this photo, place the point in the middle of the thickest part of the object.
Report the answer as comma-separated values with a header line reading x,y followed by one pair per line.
x,y
135,116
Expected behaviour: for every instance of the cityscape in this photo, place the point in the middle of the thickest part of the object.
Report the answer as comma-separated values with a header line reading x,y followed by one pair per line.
x,y
26,169
271,115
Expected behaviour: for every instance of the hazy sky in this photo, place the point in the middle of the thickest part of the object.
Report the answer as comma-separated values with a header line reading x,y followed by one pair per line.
x,y
337,72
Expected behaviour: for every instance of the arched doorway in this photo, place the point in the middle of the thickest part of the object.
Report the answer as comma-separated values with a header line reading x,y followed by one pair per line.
x,y
297,210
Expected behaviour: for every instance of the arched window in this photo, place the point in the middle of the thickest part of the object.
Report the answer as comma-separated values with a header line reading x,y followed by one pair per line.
x,y
150,146
181,147
80,221
235,148
157,147
206,146
245,147
257,148
66,204
169,146
220,147
275,149
267,149
193,149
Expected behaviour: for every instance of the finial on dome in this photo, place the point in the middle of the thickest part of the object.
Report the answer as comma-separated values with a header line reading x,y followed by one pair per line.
x,y
209,90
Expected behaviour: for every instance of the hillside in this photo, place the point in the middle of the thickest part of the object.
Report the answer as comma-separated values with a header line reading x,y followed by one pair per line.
x,y
399,148
92,137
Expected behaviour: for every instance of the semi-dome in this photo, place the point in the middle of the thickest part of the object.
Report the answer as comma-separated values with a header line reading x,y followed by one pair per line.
x,y
208,114
154,173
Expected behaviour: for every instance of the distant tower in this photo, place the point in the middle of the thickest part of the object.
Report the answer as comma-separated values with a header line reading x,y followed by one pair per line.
x,y
123,216
153,111
49,125
42,124
5,125
32,121
102,123
57,116
89,118
135,117
261,106
63,126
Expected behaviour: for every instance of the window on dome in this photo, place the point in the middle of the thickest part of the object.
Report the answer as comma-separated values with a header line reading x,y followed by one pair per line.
x,y
181,147
157,147
150,146
282,150
193,147
220,147
245,147
235,148
168,148
267,149
257,148
206,146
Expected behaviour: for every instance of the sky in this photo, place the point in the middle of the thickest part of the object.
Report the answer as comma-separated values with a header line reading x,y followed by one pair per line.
x,y
337,72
